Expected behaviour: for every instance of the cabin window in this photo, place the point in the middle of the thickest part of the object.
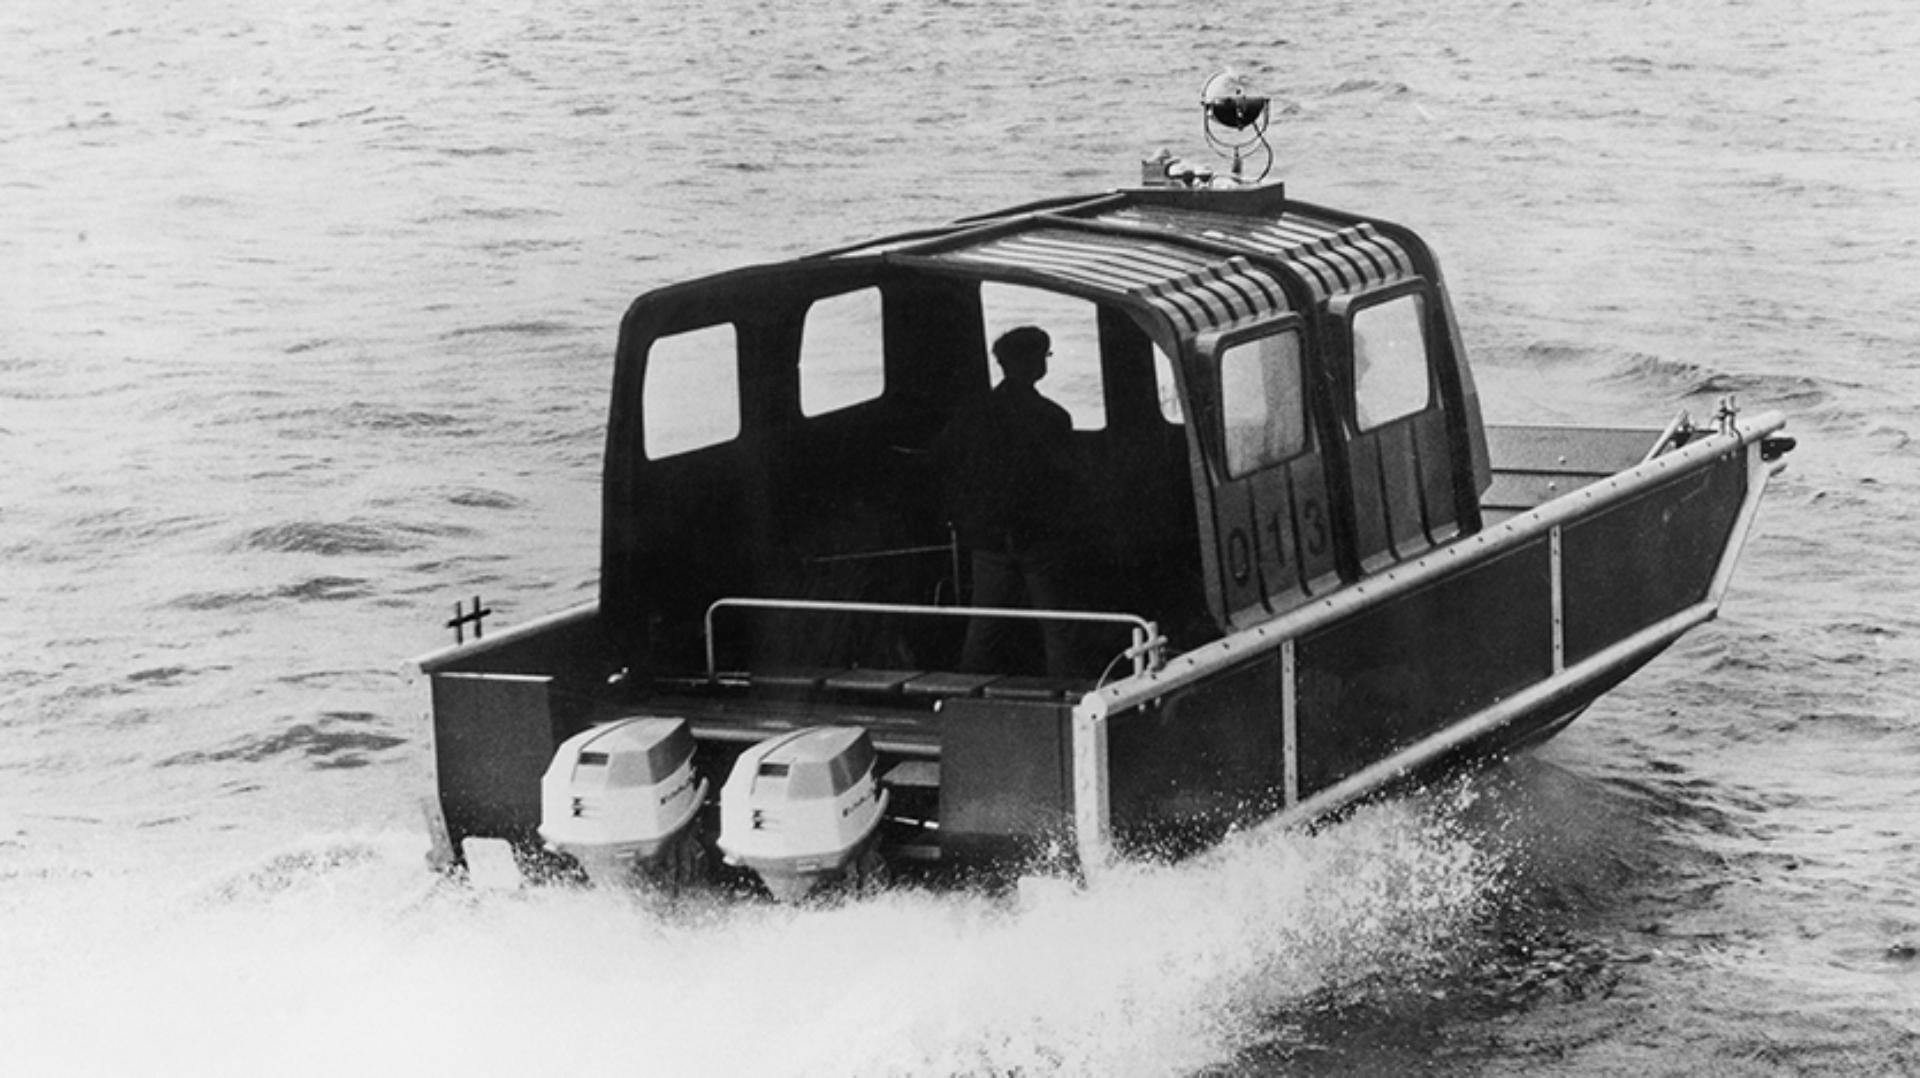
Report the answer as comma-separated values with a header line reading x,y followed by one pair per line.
x,y
1073,371
692,394
842,353
1390,361
1261,404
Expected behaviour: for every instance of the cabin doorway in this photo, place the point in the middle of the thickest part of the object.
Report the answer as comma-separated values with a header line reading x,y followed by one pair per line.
x,y
1134,531
1400,456
1273,533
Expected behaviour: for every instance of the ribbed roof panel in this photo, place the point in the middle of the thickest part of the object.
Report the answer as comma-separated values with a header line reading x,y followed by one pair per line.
x,y
1331,257
1196,289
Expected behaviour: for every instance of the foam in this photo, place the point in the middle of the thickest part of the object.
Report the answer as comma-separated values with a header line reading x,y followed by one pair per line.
x,y
343,955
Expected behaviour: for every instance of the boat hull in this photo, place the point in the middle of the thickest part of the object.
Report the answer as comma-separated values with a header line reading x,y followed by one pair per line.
x,y
1481,648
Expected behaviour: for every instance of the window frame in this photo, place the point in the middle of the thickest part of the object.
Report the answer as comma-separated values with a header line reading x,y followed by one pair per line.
x,y
651,451
1346,310
1215,349
880,357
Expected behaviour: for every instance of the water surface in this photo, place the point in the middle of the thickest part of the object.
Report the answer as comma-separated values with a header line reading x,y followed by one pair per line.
x,y
306,321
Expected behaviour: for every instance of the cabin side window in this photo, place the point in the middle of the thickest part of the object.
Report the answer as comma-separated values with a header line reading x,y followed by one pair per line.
x,y
1262,407
842,353
1073,371
1390,361
692,394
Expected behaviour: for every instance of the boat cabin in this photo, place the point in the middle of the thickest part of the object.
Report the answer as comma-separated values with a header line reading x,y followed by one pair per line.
x,y
1268,401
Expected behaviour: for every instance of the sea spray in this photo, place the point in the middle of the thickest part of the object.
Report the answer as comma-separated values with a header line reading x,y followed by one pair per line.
x,y
346,955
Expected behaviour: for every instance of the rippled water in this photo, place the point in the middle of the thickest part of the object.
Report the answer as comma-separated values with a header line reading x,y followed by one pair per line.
x,y
306,319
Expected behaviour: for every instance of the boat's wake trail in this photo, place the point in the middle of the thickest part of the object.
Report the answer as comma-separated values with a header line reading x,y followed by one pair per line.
x,y
340,958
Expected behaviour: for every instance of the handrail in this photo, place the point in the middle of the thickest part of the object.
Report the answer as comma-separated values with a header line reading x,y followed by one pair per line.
x,y
1146,651
1679,424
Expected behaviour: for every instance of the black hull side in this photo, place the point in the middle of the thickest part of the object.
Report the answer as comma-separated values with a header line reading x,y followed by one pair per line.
x,y
1479,650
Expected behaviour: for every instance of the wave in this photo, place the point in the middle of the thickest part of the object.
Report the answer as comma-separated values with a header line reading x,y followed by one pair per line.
x,y
483,151
328,538
329,422
1381,87
314,589
1651,375
529,328
294,869
360,536
325,589
1277,947
132,526
477,498
499,213
1686,379
84,537
527,245
321,743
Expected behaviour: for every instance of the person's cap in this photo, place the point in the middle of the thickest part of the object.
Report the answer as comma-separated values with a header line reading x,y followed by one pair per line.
x,y
1022,343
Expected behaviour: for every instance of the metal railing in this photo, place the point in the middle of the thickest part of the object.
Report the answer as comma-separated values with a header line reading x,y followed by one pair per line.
x,y
1146,651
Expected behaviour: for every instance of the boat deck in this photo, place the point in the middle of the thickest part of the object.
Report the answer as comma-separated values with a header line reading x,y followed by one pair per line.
x,y
1533,465
900,708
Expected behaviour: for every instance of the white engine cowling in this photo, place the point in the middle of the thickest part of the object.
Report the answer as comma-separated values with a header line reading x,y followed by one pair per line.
x,y
801,808
616,796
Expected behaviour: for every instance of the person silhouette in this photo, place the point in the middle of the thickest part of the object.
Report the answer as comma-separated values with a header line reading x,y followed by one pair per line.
x,y
1005,463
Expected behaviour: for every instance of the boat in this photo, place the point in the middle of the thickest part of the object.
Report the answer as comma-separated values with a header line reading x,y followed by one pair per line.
x,y
1312,574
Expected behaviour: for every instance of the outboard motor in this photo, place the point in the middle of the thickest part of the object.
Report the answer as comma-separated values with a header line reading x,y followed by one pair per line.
x,y
803,808
620,799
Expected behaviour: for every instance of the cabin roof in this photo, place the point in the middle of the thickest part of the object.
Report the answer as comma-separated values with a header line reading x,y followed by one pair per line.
x,y
1205,260
1196,289
1329,256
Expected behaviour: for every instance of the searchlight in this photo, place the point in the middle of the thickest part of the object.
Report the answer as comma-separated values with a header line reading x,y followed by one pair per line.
x,y
1235,117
